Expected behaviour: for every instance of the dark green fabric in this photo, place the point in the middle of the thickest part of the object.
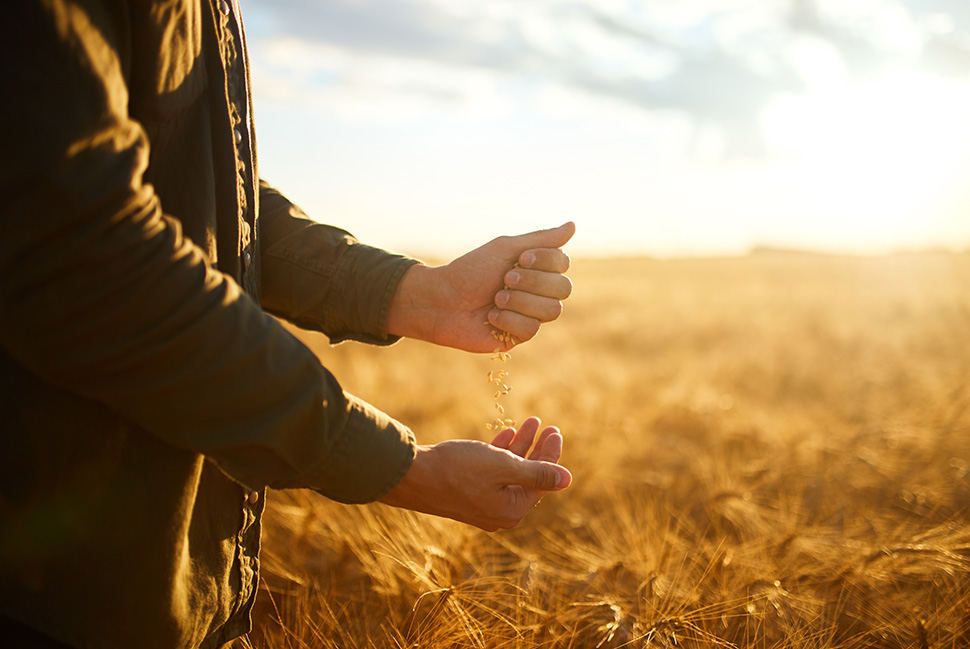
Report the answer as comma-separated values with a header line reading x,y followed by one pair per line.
x,y
146,392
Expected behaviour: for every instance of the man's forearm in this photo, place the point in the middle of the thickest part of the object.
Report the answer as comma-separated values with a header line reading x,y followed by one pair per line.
x,y
321,277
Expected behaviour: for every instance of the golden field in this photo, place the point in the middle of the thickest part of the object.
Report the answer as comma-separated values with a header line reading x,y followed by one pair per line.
x,y
768,451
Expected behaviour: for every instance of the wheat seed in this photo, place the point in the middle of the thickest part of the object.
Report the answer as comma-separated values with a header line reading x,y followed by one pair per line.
x,y
497,377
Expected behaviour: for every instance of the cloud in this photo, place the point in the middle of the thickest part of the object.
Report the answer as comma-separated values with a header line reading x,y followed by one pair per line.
x,y
415,29
719,67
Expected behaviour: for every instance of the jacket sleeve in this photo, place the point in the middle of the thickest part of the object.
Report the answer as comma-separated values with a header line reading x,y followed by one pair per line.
x,y
320,277
102,295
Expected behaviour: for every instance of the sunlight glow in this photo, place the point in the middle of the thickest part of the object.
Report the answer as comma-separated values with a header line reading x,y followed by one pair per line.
x,y
870,158
701,127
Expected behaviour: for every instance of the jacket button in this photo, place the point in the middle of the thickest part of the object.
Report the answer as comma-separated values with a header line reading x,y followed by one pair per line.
x,y
253,497
248,260
224,7
237,135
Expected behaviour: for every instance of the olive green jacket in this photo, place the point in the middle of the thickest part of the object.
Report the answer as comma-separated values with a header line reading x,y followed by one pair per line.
x,y
147,396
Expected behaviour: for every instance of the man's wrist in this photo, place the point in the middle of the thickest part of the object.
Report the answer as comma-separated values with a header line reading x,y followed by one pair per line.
x,y
403,494
411,313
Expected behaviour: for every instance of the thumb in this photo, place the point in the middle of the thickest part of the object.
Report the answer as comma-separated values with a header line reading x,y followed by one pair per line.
x,y
550,238
545,476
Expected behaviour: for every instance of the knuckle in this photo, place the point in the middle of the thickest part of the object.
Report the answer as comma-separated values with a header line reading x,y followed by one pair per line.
x,y
503,241
545,477
565,262
531,329
555,310
567,287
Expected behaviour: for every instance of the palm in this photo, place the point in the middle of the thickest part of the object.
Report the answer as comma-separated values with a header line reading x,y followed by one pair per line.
x,y
473,280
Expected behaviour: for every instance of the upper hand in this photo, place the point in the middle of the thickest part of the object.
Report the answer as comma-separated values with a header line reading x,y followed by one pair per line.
x,y
492,486
459,304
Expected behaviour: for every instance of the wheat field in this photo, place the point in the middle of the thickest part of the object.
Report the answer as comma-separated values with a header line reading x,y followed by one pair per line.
x,y
769,451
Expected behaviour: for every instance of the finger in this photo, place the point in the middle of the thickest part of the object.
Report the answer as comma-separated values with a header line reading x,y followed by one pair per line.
x,y
522,441
547,284
548,447
551,238
551,260
543,309
541,439
521,327
545,476
504,438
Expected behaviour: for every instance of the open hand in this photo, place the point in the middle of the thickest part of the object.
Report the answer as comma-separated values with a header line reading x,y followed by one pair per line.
x,y
492,486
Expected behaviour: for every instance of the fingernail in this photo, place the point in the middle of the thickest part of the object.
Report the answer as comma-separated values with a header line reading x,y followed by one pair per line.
x,y
502,298
527,260
512,278
563,479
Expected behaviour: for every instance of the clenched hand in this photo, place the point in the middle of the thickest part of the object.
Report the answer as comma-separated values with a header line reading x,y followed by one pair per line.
x,y
448,305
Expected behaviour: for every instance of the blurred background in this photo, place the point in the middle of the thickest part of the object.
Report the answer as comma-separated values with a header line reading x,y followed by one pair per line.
x,y
662,127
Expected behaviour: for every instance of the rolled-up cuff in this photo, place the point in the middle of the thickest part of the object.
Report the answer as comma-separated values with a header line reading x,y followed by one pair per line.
x,y
370,458
363,270
321,278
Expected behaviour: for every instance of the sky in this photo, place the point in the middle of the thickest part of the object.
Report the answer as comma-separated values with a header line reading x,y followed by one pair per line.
x,y
661,127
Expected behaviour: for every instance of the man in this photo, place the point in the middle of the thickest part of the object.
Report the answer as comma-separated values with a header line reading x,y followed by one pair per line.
x,y
147,397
